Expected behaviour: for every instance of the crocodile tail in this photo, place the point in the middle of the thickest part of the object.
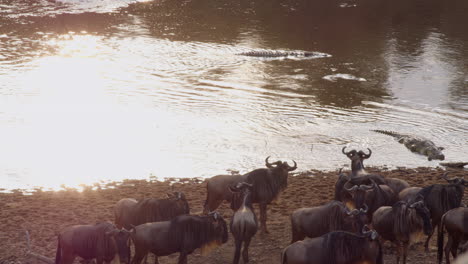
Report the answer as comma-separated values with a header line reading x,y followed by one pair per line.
x,y
386,132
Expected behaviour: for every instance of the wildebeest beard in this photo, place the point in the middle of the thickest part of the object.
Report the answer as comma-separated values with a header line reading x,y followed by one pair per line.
x,y
340,244
191,232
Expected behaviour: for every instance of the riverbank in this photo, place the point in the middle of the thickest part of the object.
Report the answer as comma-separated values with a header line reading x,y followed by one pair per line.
x,y
44,214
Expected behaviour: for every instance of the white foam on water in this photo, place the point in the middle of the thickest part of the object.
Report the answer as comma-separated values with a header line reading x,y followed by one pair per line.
x,y
344,76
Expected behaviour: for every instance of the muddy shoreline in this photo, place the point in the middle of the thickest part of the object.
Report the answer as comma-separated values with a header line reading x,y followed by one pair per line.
x,y
45,213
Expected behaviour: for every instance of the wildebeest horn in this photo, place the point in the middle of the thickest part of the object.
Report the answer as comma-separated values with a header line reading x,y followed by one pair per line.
x,y
269,165
367,187
343,150
364,210
292,168
352,189
352,212
366,156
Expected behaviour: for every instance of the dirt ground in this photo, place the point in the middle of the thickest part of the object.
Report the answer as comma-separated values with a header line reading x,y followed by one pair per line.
x,y
44,214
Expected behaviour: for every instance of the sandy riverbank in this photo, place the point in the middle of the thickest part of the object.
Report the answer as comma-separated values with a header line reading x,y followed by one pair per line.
x,y
46,213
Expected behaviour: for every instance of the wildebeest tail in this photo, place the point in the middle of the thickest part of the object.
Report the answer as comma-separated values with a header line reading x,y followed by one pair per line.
x,y
380,254
440,240
58,254
386,132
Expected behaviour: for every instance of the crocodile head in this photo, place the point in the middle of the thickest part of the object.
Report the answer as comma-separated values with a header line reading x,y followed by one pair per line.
x,y
436,154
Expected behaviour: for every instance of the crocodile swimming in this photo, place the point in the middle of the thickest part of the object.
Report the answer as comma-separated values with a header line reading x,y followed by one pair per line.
x,y
282,53
419,145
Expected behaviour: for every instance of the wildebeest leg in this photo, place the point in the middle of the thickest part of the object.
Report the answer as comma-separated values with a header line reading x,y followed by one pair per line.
x,y
238,245
245,252
405,252
456,242
156,261
263,217
399,251
426,244
139,255
448,248
67,258
182,258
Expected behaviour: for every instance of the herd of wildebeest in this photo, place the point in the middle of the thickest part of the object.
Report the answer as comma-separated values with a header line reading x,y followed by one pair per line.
x,y
367,210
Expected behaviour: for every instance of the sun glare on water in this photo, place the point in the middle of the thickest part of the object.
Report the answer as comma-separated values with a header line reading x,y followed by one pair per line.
x,y
72,130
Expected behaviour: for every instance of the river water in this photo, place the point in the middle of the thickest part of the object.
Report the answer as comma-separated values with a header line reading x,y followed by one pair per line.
x,y
100,90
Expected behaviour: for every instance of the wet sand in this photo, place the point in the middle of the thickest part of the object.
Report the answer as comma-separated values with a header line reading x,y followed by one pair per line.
x,y
44,214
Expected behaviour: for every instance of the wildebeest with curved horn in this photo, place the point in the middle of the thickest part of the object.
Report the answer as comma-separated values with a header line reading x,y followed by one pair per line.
x,y
332,216
182,234
244,222
103,242
440,198
358,174
357,160
267,184
128,212
402,224
374,195
338,247
455,221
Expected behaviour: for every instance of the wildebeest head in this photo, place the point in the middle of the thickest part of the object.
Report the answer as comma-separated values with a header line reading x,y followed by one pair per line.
x,y
241,193
424,213
220,227
357,158
372,234
356,219
358,193
179,198
457,181
281,165
121,240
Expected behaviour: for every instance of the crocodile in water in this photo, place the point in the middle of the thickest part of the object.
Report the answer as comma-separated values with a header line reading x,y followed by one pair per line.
x,y
281,53
419,145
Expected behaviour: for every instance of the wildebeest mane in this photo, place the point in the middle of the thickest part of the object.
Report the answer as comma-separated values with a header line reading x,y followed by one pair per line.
x,y
341,243
335,217
190,232
441,198
155,210
267,184
403,220
87,244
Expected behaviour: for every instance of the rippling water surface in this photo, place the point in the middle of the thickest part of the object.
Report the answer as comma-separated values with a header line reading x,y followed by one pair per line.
x,y
99,90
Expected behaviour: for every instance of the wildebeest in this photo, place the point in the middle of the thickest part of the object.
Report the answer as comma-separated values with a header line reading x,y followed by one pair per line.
x,y
440,198
182,234
357,160
267,184
338,247
374,195
455,222
402,224
244,222
360,176
102,242
155,210
332,216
